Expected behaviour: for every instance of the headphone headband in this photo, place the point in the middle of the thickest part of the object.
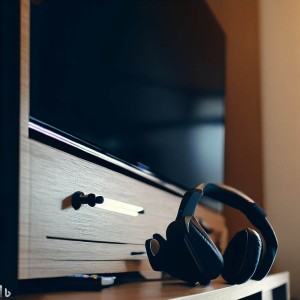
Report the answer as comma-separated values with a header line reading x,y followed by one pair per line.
x,y
225,194
238,200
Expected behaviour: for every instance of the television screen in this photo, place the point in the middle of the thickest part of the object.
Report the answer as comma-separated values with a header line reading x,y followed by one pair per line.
x,y
142,81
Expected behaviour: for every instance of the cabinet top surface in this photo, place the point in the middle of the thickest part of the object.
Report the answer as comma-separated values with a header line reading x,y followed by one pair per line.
x,y
170,289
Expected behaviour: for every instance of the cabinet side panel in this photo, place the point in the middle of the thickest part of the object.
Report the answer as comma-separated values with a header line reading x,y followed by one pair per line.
x,y
24,205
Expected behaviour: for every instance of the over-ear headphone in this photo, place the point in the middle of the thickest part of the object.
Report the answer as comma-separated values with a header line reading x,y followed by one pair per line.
x,y
189,254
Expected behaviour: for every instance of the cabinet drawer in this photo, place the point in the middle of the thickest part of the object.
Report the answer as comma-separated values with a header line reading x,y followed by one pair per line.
x,y
49,257
55,231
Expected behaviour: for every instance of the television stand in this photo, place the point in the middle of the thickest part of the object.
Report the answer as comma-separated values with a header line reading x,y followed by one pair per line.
x,y
274,286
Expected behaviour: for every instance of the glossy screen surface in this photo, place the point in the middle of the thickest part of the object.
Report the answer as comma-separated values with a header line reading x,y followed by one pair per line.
x,y
141,80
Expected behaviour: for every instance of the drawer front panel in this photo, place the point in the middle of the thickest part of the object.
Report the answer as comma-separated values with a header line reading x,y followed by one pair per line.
x,y
55,175
56,232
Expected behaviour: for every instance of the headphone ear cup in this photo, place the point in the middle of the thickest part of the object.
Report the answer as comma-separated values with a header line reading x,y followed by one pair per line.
x,y
174,259
204,255
242,256
184,264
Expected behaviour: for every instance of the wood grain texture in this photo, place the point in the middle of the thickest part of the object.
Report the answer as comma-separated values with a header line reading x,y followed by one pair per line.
x,y
24,201
162,290
24,89
58,268
53,176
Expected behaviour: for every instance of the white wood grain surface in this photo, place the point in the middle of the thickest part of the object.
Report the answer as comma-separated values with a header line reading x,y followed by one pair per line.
x,y
54,175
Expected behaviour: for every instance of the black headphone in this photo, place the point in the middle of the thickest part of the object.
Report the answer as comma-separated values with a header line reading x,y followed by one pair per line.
x,y
190,255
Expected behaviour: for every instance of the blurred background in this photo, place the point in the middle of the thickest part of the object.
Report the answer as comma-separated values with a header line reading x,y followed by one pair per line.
x,y
262,121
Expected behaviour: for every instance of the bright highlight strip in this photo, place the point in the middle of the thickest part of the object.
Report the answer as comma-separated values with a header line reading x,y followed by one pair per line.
x,y
123,205
120,207
107,206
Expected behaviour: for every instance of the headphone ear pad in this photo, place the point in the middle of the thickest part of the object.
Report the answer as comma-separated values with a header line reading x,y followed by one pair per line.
x,y
173,258
197,243
242,256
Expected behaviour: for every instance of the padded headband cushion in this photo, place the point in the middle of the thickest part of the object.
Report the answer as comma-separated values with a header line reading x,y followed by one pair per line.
x,y
242,256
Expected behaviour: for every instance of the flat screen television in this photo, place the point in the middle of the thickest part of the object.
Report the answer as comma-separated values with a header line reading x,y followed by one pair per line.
x,y
141,82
